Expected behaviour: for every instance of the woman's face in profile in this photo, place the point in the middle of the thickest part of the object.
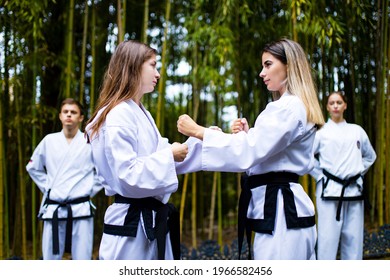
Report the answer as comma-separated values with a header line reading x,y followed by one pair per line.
x,y
149,75
274,73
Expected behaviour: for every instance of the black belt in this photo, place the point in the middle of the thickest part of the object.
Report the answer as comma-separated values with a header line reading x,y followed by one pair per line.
x,y
69,223
167,220
345,183
274,182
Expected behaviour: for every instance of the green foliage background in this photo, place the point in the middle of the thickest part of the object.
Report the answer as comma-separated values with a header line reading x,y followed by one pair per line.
x,y
50,50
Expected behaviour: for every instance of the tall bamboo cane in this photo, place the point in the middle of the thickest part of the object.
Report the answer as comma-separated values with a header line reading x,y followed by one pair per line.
x,y
2,176
193,211
161,85
183,202
386,93
21,173
92,95
212,206
34,142
83,53
69,49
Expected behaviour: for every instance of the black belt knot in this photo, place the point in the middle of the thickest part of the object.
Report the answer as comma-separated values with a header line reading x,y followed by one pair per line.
x,y
69,222
167,220
274,182
344,182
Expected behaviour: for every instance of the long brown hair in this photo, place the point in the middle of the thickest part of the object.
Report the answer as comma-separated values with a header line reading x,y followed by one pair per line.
x,y
299,77
122,79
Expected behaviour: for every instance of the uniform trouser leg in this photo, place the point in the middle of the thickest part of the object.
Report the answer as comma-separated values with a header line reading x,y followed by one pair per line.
x,y
352,232
82,240
115,247
329,229
284,243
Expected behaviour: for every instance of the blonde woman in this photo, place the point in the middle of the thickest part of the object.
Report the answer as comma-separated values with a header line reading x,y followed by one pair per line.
x,y
274,153
138,166
343,155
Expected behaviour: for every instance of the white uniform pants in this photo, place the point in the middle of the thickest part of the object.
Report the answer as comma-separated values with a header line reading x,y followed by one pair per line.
x,y
349,231
114,247
82,239
285,244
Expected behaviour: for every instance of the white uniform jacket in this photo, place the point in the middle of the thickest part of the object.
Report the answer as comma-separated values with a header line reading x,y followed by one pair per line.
x,y
64,172
344,150
135,161
281,140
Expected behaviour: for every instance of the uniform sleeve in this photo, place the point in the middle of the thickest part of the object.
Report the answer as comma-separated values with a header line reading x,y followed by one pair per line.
x,y
97,184
275,129
316,172
193,160
139,175
36,167
368,153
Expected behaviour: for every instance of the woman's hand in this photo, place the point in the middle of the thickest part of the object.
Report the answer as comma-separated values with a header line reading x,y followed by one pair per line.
x,y
239,125
187,126
179,151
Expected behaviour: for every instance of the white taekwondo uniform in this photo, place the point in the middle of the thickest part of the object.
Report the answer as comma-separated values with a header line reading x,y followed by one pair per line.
x,y
66,175
342,150
280,141
136,163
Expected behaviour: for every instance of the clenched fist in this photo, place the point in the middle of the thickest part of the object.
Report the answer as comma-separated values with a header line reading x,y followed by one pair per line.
x,y
239,125
187,126
179,151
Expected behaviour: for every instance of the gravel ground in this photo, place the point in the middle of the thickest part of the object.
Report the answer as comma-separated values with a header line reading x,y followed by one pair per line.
x,y
376,247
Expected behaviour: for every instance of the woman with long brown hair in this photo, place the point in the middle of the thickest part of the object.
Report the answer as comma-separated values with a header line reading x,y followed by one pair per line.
x,y
138,166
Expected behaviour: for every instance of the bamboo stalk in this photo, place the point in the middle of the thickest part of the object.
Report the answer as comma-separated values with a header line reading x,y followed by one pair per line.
x,y
69,49
387,171
120,21
34,143
21,173
386,93
92,95
144,34
194,211
183,203
379,165
162,81
2,176
144,39
305,182
220,218
83,53
212,206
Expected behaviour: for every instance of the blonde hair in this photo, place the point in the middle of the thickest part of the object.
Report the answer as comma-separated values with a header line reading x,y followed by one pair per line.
x,y
122,79
299,76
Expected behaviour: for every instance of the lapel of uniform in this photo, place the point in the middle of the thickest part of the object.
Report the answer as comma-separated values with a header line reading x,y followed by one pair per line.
x,y
152,124
72,152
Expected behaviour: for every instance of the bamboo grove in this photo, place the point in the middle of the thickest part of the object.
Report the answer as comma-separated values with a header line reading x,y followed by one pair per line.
x,y
209,60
